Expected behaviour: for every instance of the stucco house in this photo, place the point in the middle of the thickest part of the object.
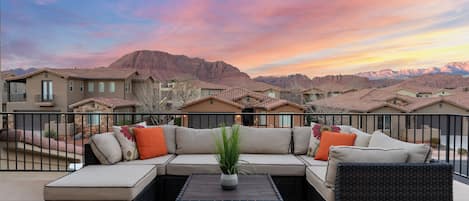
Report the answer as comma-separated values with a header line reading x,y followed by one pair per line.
x,y
238,101
64,90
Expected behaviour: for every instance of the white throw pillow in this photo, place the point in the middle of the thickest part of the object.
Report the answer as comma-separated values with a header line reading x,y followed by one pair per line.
x,y
106,148
363,139
353,154
126,139
418,153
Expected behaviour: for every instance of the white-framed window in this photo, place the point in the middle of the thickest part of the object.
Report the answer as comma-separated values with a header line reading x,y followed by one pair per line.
x,y
384,122
112,87
101,87
91,87
70,85
93,119
284,120
47,90
262,119
271,94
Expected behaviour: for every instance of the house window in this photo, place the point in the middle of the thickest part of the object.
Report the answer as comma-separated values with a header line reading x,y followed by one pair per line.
x,y
101,87
112,87
384,122
284,120
93,119
47,90
70,85
262,119
91,87
271,94
81,86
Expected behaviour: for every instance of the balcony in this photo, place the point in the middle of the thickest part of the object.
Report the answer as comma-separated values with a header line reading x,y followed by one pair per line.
x,y
42,101
52,151
16,97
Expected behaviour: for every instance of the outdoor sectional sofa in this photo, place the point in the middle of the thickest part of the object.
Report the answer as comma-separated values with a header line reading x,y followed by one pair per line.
x,y
279,152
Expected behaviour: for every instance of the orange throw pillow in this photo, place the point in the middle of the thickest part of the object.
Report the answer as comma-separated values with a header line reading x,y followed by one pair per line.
x,y
150,142
329,139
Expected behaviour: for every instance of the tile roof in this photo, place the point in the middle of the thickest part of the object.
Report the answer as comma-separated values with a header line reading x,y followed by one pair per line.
x,y
367,100
83,73
110,102
207,85
232,95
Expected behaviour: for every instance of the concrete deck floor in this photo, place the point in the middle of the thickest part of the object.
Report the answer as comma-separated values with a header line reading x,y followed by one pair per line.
x,y
28,186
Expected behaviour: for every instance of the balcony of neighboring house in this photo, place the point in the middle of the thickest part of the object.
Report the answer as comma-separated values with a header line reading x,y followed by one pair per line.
x,y
44,100
20,97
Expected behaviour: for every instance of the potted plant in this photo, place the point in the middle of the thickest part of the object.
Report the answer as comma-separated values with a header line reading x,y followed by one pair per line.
x,y
227,148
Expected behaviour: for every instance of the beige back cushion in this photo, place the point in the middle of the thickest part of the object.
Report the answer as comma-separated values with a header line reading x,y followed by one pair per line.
x,y
418,153
106,148
170,137
264,140
197,141
301,137
341,154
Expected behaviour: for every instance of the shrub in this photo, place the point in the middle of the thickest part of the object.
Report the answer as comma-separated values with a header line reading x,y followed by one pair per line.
x,y
435,142
462,151
177,121
50,134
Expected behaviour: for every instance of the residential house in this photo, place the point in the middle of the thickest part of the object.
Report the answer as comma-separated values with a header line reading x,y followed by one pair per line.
x,y
65,90
174,94
392,100
239,101
266,89
312,94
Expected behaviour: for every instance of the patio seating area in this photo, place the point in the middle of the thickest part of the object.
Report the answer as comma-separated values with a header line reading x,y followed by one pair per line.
x,y
372,166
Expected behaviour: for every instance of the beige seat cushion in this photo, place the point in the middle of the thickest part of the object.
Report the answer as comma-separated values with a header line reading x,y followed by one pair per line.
x,y
188,164
169,136
301,137
160,162
99,182
310,161
106,148
197,141
418,153
316,176
273,164
253,140
277,165
340,154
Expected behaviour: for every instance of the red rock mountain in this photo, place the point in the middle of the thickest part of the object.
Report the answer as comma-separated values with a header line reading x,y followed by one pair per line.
x,y
165,66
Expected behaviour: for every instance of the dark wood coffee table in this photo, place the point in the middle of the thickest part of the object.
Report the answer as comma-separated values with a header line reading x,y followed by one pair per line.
x,y
250,188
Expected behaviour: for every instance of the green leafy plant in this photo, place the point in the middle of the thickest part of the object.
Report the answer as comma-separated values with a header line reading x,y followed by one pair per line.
x,y
462,151
228,150
50,134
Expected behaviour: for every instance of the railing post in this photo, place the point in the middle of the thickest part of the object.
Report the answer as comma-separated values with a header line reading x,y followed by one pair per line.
x,y
448,128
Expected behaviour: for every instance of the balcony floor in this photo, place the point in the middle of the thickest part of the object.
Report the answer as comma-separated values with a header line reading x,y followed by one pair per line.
x,y
28,186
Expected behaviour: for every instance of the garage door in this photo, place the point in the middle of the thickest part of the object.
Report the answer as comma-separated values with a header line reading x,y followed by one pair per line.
x,y
210,121
33,121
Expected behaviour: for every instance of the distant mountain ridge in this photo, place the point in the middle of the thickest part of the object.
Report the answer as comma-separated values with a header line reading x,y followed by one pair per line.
x,y
328,83
454,68
165,66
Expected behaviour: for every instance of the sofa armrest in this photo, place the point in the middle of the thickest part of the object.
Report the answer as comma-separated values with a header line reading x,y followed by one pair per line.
x,y
90,158
394,181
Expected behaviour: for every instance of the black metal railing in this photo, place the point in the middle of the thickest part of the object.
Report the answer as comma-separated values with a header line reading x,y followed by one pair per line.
x,y
31,141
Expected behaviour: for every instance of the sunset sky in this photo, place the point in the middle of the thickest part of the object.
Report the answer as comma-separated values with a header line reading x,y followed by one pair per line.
x,y
259,37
